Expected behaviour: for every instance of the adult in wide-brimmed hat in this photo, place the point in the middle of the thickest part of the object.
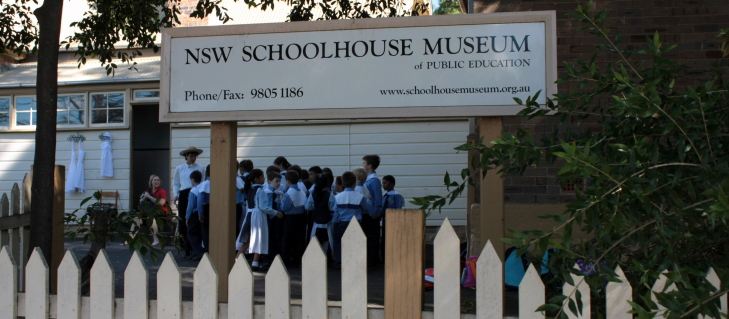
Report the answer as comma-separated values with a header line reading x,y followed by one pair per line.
x,y
191,149
181,187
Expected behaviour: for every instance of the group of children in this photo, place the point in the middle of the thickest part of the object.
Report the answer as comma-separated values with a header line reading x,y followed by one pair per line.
x,y
280,211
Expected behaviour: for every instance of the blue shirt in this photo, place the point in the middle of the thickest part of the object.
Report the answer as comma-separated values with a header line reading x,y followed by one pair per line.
x,y
374,186
240,184
392,199
265,199
293,201
204,197
349,204
192,203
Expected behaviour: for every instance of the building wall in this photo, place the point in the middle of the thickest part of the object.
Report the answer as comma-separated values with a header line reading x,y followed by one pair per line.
x,y
417,154
17,151
690,24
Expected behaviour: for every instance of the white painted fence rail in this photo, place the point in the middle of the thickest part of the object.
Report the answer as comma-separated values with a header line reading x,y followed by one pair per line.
x,y
68,303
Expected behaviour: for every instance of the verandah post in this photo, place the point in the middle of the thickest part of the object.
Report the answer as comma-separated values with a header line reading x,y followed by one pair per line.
x,y
223,141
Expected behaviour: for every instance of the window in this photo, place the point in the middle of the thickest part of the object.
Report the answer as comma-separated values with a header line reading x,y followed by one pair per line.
x,y
107,108
71,109
26,112
4,111
146,95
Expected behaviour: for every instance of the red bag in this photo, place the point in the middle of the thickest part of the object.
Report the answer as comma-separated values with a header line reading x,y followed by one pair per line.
x,y
429,278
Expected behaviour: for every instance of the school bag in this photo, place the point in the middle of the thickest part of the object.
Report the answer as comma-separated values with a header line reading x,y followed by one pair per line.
x,y
514,268
322,214
469,277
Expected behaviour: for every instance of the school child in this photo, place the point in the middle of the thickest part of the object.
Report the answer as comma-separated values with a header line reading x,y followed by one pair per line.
x,y
283,164
244,168
265,206
350,204
300,183
192,218
321,203
361,175
294,230
203,208
391,199
314,173
371,220
338,187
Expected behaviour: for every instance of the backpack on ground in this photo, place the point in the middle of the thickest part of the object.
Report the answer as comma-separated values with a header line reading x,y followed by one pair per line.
x,y
514,268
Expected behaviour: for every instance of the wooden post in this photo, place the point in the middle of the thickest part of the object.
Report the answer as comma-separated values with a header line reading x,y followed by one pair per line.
x,y
404,263
492,191
473,211
223,165
59,209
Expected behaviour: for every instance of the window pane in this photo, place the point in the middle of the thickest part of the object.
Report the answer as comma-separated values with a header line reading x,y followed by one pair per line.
x,y
77,102
4,105
4,119
34,118
116,100
76,117
98,117
22,118
63,102
24,104
116,116
146,94
62,117
98,101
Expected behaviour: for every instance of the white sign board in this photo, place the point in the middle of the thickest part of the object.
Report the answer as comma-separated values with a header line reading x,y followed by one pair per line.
x,y
367,71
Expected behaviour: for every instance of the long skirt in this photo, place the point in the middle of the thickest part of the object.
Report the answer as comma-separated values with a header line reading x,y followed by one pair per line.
x,y
259,232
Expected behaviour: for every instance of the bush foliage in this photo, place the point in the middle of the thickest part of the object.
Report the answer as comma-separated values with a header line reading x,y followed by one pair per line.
x,y
656,175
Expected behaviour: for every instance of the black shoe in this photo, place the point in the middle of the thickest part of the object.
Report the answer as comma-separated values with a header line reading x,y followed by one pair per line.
x,y
196,257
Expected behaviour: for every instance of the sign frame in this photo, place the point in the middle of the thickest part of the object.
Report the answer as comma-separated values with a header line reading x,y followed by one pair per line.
x,y
166,115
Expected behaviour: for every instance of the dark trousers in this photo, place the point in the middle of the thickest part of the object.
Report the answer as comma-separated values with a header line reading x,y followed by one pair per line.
x,y
275,233
371,228
339,229
194,234
182,227
205,227
294,237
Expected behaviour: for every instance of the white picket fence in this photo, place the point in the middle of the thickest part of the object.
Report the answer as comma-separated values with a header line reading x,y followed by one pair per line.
x,y
102,304
15,223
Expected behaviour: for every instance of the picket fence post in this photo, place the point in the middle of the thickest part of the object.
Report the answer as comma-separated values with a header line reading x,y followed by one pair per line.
x,y
136,288
447,273
314,281
354,272
531,294
169,289
205,290
278,291
660,286
8,285
617,296
69,288
37,286
580,293
102,288
240,290
489,284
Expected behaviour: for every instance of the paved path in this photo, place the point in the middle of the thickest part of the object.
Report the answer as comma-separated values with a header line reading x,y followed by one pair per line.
x,y
119,256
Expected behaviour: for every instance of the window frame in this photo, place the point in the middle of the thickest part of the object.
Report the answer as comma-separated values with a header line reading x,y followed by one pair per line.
x,y
124,108
85,110
14,117
10,112
144,99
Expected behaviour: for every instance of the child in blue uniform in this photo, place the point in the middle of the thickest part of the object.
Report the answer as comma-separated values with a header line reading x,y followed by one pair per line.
x,y
350,204
294,230
264,207
391,199
244,169
203,208
192,218
321,203
371,220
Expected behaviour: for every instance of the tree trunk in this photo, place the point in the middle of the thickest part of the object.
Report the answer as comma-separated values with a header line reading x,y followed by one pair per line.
x,y
41,217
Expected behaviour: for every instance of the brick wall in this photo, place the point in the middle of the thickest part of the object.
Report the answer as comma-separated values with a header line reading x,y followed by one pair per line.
x,y
691,24
186,7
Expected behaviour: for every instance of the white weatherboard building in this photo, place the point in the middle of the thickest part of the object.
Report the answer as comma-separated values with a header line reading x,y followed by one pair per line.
x,y
417,152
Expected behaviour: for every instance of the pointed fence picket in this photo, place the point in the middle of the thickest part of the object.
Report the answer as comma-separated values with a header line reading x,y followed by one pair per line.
x,y
205,290
15,226
169,289
354,272
37,286
136,288
278,296
68,303
240,289
713,278
579,295
489,274
447,273
658,287
314,281
8,285
69,288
